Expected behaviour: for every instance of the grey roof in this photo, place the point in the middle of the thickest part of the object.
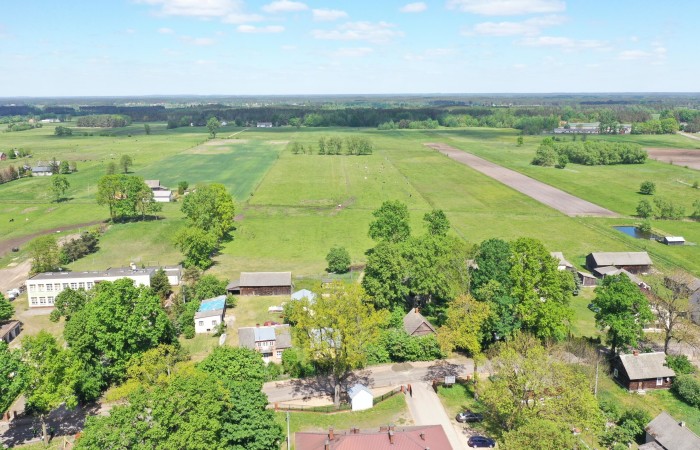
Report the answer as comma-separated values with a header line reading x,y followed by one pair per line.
x,y
586,274
209,313
644,366
42,169
413,320
653,445
608,271
622,259
356,389
562,261
248,336
668,432
152,183
674,239
284,337
111,272
304,293
264,334
262,279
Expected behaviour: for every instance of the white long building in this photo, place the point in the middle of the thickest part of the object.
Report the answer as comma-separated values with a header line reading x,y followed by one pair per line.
x,y
43,288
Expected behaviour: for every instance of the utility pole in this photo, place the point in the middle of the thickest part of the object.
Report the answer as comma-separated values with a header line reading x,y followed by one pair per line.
x,y
288,444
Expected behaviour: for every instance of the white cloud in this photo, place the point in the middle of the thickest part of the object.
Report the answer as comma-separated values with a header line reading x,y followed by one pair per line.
x,y
655,56
254,29
360,31
282,6
530,27
166,30
237,18
355,52
507,7
431,53
196,8
563,42
414,7
201,41
327,15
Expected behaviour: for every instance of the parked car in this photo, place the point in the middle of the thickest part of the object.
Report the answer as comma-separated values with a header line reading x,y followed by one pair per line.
x,y
593,308
481,442
469,416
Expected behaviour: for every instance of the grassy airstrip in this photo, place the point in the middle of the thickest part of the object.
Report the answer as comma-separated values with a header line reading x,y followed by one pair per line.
x,y
293,208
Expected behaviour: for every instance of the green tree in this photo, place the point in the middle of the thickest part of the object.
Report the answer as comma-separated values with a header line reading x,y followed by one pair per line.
x,y
68,302
59,186
12,376
52,375
336,330
644,209
338,259
543,292
44,254
7,309
197,247
211,209
234,365
125,162
160,284
437,222
385,273
623,311
462,328
213,126
147,128
182,187
391,223
64,168
520,141
126,196
117,323
111,168
209,286
647,188
155,365
539,434
62,131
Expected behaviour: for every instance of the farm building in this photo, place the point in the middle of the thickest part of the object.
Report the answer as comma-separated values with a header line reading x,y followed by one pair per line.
x,y
673,240
587,279
210,314
608,271
42,171
416,325
634,262
43,288
361,397
264,125
563,264
270,341
262,283
665,432
640,371
420,437
10,330
163,196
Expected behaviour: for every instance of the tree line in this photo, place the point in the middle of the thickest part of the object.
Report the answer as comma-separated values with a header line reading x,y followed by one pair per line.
x,y
336,145
589,153
104,121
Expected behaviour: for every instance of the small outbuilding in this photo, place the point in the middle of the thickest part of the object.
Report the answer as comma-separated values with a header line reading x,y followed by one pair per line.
x,y
641,371
587,279
416,325
665,432
562,263
361,397
673,240
10,330
262,283
210,314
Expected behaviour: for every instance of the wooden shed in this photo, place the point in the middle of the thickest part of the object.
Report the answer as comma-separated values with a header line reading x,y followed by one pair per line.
x,y
634,262
262,283
641,371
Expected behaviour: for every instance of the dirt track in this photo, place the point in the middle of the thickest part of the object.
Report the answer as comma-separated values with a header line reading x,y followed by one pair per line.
x,y
544,193
676,156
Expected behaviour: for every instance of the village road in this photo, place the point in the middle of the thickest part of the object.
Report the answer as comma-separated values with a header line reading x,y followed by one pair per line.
x,y
426,409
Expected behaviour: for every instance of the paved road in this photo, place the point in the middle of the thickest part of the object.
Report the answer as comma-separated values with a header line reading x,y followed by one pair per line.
x,y
426,409
376,376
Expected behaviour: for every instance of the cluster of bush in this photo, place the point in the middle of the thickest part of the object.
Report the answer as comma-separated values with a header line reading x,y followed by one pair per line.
x,y
22,126
657,126
75,249
589,153
336,145
8,174
427,124
662,208
104,121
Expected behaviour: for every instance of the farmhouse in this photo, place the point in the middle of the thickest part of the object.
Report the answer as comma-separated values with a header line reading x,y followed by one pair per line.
x,y
10,330
262,283
420,437
665,432
42,171
416,325
634,262
43,288
210,314
361,397
271,341
640,371
161,194
673,240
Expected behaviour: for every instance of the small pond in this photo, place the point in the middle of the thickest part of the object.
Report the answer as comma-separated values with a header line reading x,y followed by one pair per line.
x,y
636,232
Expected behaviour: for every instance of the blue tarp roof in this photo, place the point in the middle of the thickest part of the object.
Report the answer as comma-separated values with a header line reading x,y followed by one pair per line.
x,y
212,304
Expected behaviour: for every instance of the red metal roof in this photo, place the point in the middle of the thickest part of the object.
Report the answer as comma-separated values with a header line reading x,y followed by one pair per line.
x,y
405,438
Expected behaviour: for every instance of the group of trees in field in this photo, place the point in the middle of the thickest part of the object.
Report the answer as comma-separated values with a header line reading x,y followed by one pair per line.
x,y
427,124
104,121
22,126
336,145
589,153
126,196
660,208
656,126
210,212
75,249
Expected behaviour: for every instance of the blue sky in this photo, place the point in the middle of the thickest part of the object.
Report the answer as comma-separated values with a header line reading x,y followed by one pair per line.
x,y
245,47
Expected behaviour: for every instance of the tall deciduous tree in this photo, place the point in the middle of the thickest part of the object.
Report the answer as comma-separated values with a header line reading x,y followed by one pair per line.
x,y
622,311
385,273
213,126
7,309
211,209
336,329
542,292
391,223
52,375
12,376
127,196
125,162
68,302
59,186
44,254
437,222
160,284
462,328
197,246
209,286
338,259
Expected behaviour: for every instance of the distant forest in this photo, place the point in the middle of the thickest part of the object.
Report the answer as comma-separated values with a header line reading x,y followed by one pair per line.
x,y
530,113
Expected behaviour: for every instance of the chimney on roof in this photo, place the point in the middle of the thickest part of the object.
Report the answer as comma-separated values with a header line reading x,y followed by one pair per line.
x,y
422,436
635,352
331,434
391,437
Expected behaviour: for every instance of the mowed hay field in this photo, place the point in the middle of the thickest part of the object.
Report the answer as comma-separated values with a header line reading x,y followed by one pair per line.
x,y
291,209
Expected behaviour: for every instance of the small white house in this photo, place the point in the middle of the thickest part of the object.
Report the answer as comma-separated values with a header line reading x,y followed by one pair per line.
x,y
210,314
361,397
163,196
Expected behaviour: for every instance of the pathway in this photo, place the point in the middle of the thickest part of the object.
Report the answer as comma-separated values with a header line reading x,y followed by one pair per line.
x,y
426,409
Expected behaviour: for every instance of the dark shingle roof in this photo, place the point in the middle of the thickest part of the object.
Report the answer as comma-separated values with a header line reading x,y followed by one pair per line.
x,y
668,432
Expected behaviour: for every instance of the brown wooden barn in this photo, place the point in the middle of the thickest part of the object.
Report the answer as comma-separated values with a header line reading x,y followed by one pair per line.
x,y
634,262
262,283
640,371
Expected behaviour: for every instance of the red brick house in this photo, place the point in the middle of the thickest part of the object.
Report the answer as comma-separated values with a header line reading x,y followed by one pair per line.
x,y
640,371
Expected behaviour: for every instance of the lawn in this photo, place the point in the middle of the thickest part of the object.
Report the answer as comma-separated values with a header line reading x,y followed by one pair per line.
x,y
392,410
583,323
